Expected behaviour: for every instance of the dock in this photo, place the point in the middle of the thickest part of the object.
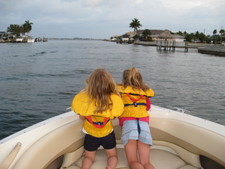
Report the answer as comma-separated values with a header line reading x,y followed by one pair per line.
x,y
171,45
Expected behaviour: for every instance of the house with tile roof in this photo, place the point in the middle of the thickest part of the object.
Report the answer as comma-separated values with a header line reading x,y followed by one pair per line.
x,y
156,35
163,35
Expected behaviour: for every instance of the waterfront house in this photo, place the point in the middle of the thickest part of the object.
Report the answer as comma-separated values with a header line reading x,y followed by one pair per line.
x,y
155,36
163,35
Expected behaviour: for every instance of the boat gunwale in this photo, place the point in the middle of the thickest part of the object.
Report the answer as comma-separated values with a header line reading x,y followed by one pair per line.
x,y
187,118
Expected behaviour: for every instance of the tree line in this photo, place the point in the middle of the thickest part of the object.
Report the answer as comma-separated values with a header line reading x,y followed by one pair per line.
x,y
17,30
189,37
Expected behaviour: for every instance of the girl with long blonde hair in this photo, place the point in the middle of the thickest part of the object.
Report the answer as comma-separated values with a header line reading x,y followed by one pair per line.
x,y
97,105
136,135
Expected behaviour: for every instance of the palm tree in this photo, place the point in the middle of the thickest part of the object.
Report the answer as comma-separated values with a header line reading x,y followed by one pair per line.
x,y
214,35
14,29
146,34
27,27
135,24
222,31
189,37
180,33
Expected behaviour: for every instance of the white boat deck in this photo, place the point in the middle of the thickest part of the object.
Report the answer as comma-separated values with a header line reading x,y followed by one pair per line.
x,y
180,141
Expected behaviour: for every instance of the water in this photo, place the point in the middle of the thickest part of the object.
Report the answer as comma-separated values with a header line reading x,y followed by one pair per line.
x,y
39,80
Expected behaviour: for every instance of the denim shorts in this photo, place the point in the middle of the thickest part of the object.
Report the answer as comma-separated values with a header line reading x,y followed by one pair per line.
x,y
136,130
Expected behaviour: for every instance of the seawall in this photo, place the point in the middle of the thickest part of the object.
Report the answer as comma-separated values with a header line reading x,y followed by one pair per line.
x,y
213,50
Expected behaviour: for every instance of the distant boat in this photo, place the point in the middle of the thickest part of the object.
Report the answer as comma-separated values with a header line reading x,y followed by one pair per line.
x,y
19,39
41,39
25,39
30,40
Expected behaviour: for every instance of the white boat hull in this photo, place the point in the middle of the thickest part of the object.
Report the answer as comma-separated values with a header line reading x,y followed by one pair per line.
x,y
59,142
19,39
30,40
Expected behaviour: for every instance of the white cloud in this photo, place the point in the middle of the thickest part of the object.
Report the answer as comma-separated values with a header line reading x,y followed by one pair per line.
x,y
93,2
180,5
139,1
106,18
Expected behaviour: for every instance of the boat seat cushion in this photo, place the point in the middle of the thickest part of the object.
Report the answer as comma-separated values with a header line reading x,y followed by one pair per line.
x,y
161,159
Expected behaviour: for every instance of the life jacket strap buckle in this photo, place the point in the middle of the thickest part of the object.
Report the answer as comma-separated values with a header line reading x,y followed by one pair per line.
x,y
135,104
98,124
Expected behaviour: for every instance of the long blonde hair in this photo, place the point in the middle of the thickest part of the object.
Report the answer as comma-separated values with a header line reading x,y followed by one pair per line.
x,y
100,86
132,77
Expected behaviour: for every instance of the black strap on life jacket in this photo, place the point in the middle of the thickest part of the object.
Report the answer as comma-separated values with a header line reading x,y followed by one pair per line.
x,y
135,104
98,124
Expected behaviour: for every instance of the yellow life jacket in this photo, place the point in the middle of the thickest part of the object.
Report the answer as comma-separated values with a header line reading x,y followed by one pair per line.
x,y
97,124
135,101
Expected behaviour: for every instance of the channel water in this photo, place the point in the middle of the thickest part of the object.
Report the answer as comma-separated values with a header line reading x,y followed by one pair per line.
x,y
39,80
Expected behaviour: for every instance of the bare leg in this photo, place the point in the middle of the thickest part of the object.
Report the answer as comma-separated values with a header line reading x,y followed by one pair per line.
x,y
131,154
112,158
88,159
144,153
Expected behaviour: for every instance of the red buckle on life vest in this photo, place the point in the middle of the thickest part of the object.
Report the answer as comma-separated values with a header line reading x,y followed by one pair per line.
x,y
98,124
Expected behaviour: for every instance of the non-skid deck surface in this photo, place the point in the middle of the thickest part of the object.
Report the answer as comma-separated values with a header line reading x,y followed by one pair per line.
x,y
161,159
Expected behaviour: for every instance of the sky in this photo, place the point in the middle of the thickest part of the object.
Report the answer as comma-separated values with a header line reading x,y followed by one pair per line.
x,y
103,19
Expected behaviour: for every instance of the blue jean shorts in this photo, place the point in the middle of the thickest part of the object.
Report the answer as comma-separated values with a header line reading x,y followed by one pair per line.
x,y
136,130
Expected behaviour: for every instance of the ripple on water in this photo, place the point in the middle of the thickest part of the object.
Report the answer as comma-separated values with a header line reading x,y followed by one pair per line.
x,y
39,81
